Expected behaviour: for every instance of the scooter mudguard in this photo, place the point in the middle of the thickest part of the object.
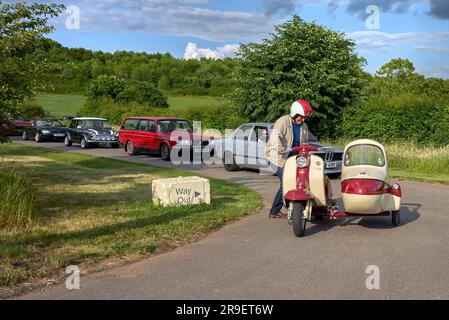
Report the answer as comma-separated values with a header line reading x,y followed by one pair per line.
x,y
297,195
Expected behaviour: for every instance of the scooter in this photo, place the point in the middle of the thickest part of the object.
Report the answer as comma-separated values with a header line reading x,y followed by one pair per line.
x,y
365,186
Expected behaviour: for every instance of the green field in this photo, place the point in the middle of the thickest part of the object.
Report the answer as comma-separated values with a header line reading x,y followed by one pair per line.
x,y
60,104
94,211
192,101
69,104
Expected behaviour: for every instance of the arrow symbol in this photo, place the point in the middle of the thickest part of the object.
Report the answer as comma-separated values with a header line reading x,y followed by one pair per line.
x,y
197,194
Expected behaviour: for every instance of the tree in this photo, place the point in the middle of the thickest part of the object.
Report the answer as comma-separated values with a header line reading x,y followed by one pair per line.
x,y
397,68
106,86
143,92
21,25
300,60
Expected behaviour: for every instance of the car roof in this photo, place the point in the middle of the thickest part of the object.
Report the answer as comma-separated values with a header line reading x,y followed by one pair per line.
x,y
155,118
90,119
268,124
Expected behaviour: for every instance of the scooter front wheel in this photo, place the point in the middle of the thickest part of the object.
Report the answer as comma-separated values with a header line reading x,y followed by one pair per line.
x,y
299,222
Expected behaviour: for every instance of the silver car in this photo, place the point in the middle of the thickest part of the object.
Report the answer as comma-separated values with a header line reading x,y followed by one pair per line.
x,y
244,148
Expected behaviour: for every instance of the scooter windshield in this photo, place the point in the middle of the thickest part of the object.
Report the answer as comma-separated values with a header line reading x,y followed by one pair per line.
x,y
364,154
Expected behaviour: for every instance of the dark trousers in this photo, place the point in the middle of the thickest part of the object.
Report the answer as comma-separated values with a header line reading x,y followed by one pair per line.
x,y
278,201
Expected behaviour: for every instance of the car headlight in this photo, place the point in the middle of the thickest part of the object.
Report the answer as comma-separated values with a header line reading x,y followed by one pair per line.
x,y
212,142
185,142
302,162
45,132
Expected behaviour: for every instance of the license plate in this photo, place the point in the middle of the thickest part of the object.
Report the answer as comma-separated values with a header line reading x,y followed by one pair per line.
x,y
331,165
59,134
197,150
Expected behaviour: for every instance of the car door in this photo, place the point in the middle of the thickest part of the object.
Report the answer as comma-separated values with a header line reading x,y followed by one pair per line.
x,y
72,130
257,143
32,129
150,136
241,138
141,134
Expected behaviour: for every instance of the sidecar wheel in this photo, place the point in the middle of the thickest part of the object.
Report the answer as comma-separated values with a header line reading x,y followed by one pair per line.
x,y
299,222
396,218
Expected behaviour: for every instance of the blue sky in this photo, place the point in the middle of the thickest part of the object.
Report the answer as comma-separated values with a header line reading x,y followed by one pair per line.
x,y
413,29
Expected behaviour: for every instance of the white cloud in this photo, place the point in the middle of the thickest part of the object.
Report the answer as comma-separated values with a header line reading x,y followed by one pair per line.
x,y
192,18
434,72
369,41
192,51
432,49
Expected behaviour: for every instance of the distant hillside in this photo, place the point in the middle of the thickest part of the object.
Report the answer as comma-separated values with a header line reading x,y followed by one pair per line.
x,y
77,67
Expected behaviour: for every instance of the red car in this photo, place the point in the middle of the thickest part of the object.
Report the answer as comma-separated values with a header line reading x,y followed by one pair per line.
x,y
15,126
160,135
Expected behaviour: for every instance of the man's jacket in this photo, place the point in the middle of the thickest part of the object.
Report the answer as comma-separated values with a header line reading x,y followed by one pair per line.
x,y
281,139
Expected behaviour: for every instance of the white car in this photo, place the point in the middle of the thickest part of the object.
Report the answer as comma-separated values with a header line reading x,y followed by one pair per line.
x,y
244,148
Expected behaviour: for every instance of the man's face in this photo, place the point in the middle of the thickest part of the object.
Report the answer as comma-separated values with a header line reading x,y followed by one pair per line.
x,y
299,120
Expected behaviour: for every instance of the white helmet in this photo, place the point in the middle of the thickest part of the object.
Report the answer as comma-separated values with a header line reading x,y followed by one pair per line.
x,y
301,108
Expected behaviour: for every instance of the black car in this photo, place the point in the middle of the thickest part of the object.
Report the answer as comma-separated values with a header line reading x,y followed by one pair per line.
x,y
45,130
91,132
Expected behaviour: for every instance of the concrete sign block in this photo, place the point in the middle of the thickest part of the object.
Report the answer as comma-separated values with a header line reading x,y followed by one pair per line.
x,y
181,191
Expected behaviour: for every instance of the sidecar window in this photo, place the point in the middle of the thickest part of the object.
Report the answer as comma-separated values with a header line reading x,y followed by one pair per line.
x,y
364,154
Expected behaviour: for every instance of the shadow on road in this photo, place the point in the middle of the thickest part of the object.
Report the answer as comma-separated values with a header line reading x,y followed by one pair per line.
x,y
409,214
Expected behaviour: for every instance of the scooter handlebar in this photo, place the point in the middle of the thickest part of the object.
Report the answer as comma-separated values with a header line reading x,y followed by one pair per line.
x,y
305,148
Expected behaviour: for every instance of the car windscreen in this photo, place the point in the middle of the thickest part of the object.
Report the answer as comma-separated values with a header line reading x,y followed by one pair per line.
x,y
364,154
96,124
173,125
49,123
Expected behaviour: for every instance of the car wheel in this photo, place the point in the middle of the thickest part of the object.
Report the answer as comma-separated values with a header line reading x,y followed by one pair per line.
x,y
84,144
165,152
130,148
24,135
229,162
396,218
37,137
67,141
299,222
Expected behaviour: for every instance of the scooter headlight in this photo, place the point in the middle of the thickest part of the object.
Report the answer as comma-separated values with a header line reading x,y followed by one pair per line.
x,y
302,162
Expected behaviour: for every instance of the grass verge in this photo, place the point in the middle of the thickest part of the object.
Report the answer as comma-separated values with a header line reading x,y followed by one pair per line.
x,y
93,211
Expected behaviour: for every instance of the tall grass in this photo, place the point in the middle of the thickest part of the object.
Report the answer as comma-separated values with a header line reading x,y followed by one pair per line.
x,y
17,197
419,159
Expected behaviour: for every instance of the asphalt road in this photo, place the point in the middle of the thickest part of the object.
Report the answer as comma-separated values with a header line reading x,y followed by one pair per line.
x,y
259,258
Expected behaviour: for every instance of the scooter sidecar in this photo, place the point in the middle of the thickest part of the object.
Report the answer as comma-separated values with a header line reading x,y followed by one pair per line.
x,y
365,184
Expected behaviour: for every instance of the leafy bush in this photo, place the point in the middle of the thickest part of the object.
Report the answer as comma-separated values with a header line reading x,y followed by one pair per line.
x,y
143,92
17,196
31,110
404,117
222,116
105,86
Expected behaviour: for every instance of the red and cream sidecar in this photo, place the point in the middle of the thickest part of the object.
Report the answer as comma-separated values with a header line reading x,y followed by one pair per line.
x,y
365,184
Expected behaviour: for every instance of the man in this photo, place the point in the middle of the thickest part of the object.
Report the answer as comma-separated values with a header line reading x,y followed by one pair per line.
x,y
289,132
